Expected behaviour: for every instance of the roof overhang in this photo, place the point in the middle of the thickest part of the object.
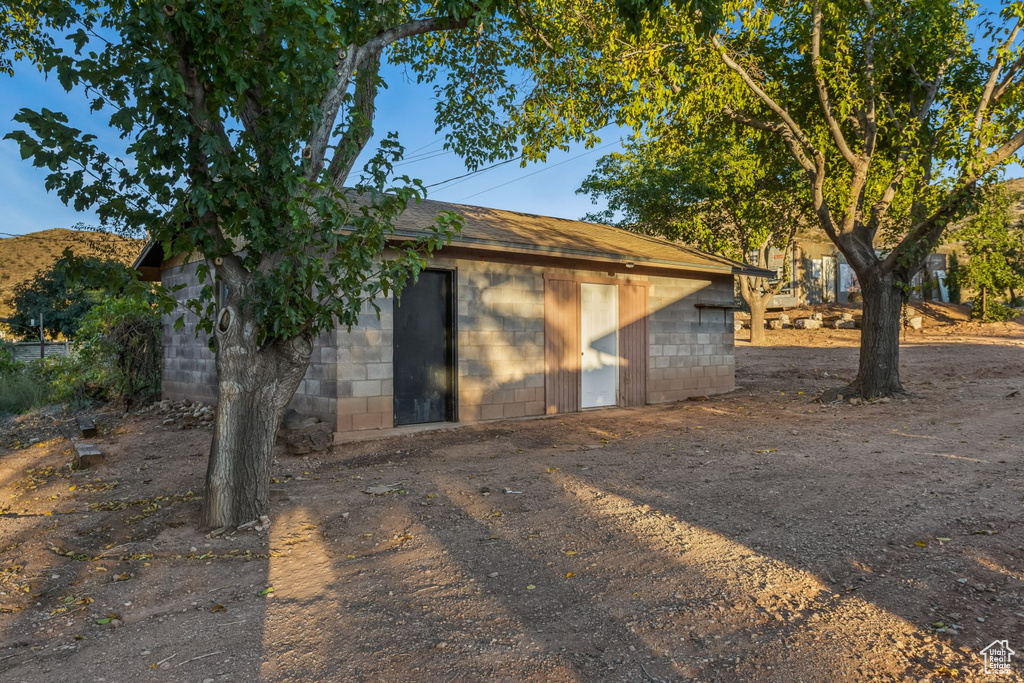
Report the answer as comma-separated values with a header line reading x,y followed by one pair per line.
x,y
726,267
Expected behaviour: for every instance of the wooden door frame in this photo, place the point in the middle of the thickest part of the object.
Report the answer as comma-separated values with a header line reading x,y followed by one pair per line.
x,y
578,279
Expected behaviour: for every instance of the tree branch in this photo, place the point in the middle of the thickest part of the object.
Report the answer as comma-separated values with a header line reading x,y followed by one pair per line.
x,y
794,128
822,89
993,81
360,128
350,59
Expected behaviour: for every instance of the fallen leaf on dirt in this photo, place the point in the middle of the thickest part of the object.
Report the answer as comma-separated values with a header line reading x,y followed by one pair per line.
x,y
266,591
570,552
123,576
530,587
921,544
569,575
107,619
218,608
943,539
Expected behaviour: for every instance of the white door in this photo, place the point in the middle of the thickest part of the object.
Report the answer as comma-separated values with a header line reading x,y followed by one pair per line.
x,y
599,334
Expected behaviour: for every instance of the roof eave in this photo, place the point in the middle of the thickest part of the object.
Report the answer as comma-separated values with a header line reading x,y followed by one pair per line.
x,y
727,268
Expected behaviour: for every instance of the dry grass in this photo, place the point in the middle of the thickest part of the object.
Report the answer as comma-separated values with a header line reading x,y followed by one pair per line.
x,y
22,257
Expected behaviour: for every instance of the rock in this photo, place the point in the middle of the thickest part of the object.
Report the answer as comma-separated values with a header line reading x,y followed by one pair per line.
x,y
844,325
916,322
775,324
86,455
807,324
816,316
784,319
310,439
86,427
168,421
846,317
292,419
737,325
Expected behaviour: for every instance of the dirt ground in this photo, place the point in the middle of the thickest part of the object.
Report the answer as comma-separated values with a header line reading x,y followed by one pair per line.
x,y
755,536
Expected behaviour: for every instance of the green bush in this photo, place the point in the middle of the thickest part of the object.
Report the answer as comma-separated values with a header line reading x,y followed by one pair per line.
x,y
22,388
120,353
995,312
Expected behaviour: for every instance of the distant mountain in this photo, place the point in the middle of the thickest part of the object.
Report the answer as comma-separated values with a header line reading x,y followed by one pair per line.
x,y
22,257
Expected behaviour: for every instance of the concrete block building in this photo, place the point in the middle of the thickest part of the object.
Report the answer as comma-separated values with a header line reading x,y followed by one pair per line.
x,y
521,315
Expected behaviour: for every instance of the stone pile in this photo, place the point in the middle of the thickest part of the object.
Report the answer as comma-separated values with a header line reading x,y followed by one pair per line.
x,y
173,411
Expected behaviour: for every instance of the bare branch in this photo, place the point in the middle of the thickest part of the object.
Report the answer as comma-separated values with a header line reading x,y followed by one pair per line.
x,y
360,128
870,134
928,231
993,81
350,59
794,127
822,90
1011,73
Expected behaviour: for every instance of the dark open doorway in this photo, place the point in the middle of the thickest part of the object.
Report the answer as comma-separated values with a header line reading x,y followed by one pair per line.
x,y
425,350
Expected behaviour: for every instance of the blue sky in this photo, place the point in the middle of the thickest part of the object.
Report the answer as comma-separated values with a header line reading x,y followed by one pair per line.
x,y
547,189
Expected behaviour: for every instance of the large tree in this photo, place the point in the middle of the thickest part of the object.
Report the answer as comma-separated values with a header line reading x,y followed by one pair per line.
x,y
718,190
897,112
241,124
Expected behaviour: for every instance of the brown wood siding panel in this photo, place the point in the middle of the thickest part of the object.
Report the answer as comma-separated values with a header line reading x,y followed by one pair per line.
x,y
632,345
561,346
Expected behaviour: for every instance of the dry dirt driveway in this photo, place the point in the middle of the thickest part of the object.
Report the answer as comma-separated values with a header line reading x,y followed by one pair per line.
x,y
757,536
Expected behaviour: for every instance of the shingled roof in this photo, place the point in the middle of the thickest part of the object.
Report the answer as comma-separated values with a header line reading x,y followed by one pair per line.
x,y
524,233
505,232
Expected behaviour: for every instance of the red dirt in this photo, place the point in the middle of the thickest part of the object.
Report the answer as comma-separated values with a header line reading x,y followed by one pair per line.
x,y
753,536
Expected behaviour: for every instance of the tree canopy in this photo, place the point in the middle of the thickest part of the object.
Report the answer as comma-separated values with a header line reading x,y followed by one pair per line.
x,y
896,112
61,296
994,244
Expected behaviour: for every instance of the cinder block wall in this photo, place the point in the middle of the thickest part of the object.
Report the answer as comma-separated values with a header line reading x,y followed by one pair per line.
x,y
500,349
190,371
350,382
501,341
689,358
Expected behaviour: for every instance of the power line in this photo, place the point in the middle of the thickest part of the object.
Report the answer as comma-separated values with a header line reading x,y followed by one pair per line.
x,y
472,173
545,168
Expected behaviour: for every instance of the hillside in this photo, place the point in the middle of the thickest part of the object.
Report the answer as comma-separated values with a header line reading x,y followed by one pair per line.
x,y
22,257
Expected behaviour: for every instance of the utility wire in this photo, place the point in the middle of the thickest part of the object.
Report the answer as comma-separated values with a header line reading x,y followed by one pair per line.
x,y
545,168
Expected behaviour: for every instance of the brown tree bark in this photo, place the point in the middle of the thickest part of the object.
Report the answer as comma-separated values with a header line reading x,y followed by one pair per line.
x,y
255,385
879,371
757,308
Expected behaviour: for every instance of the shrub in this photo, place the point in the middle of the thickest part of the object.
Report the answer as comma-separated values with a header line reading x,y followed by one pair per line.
x,y
21,386
995,312
120,350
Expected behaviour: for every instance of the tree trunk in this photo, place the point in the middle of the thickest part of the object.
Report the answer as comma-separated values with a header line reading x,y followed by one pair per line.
x,y
879,371
757,304
254,387
984,303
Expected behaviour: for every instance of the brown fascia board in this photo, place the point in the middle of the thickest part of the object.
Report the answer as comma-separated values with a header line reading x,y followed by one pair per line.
x,y
481,246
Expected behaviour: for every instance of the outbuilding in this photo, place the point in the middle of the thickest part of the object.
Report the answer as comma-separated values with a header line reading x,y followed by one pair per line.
x,y
521,315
